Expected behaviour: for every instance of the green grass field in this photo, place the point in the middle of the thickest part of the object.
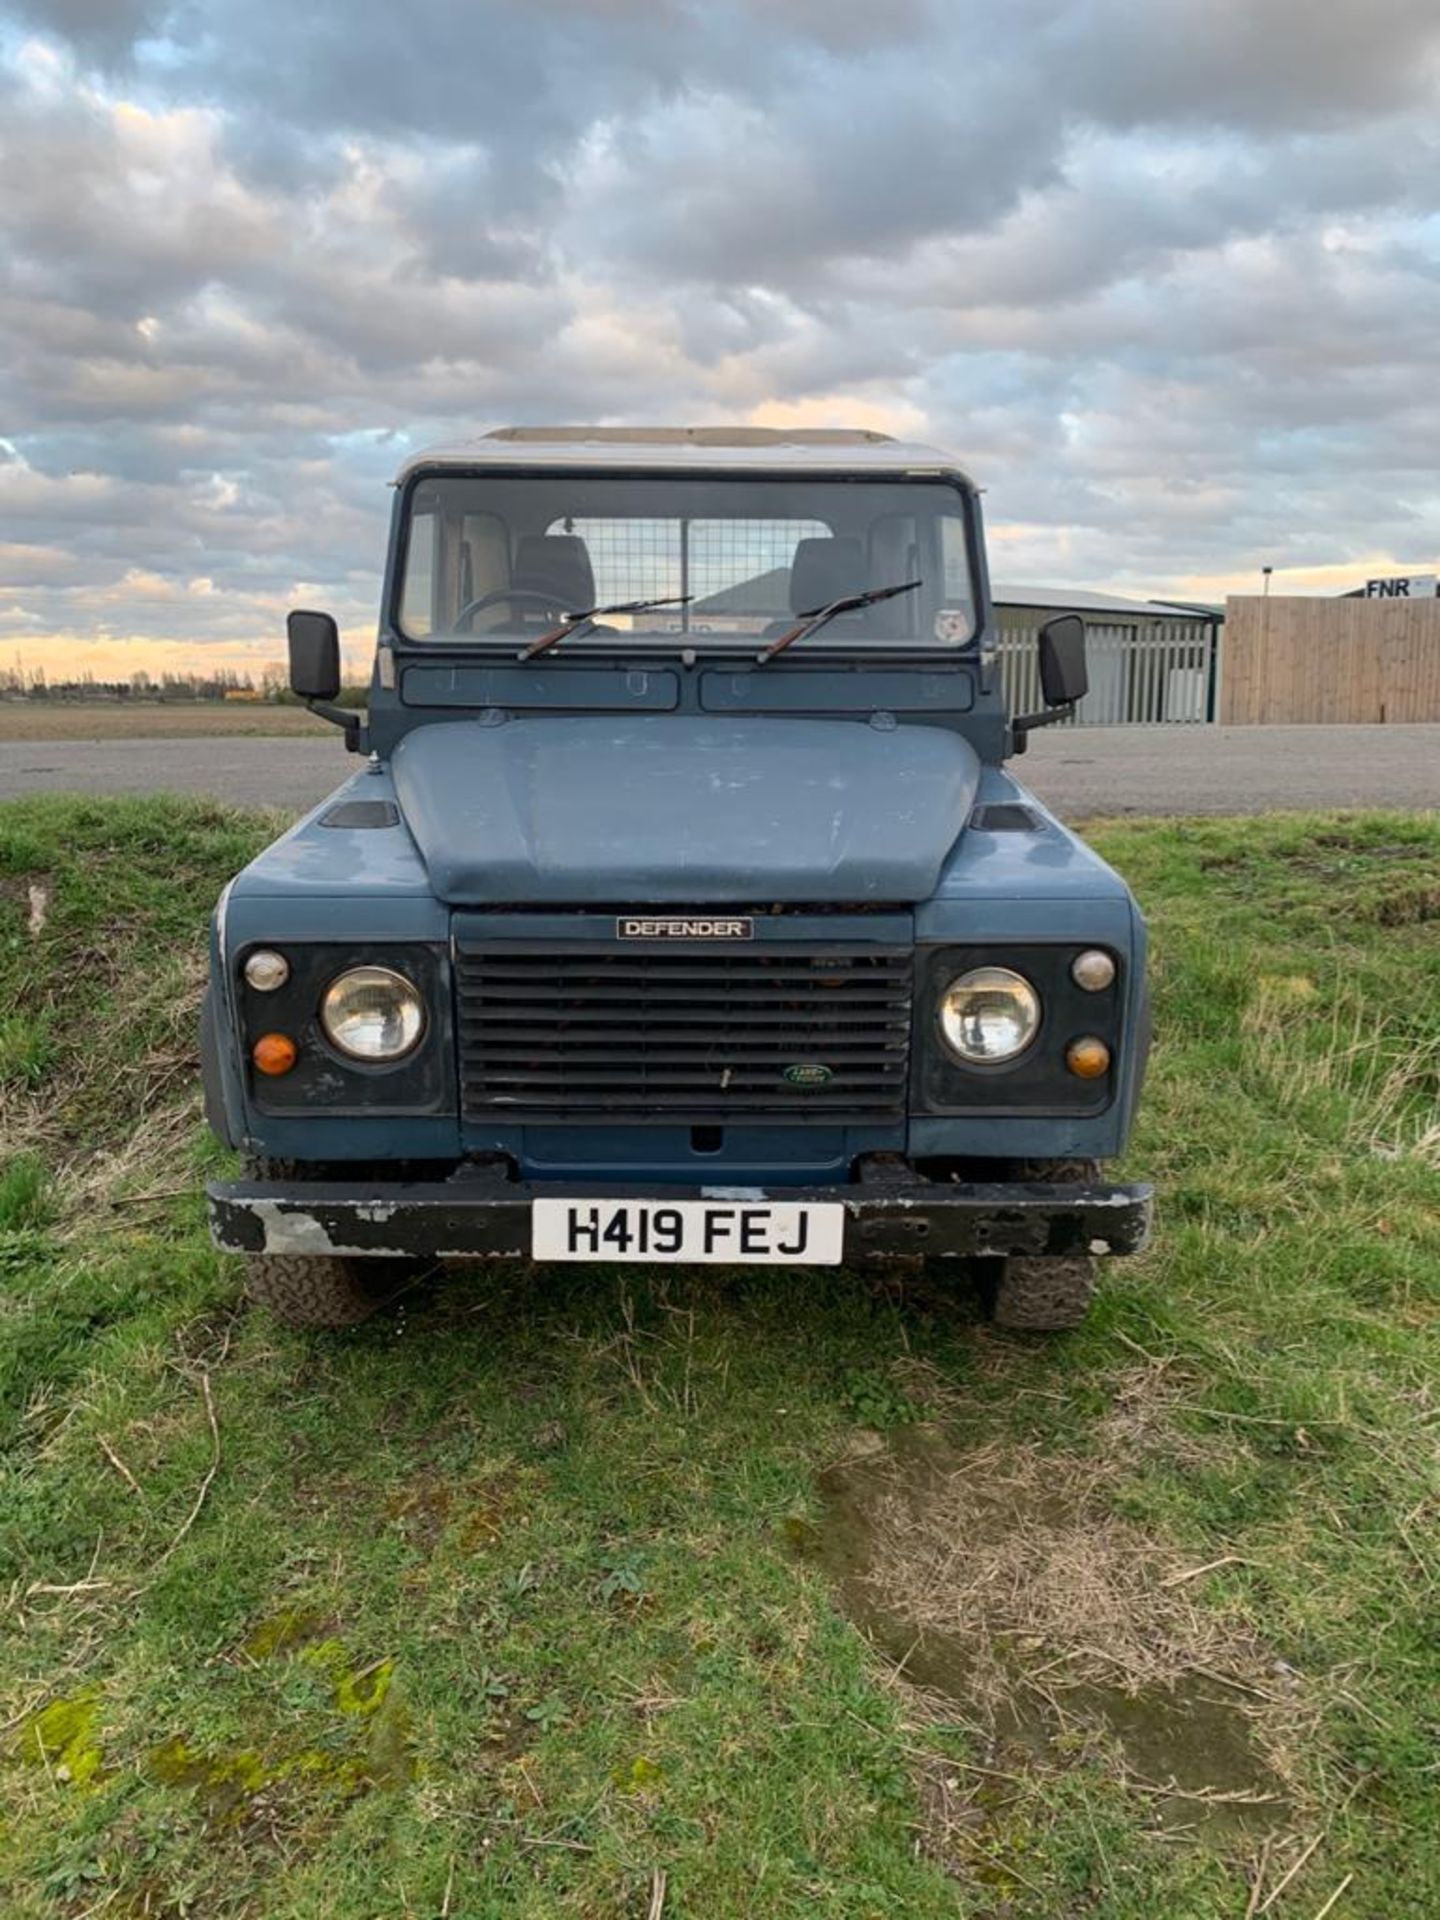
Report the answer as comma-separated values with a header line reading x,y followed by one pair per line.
x,y
717,1595
146,720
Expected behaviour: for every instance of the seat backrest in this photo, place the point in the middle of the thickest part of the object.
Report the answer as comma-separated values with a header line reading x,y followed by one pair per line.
x,y
825,570
557,564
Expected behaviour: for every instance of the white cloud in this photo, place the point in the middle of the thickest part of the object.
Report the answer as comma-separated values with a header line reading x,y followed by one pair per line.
x,y
1164,279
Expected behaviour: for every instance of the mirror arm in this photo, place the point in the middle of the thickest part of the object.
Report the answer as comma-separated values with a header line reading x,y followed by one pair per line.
x,y
347,719
1027,722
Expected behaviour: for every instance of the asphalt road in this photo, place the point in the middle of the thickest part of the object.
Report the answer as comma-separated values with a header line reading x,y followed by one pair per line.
x,y
1079,771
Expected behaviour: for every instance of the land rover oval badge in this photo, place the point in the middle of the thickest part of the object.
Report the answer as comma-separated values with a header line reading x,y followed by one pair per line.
x,y
808,1073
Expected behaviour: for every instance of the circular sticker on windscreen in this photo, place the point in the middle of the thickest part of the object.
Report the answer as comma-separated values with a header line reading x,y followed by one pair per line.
x,y
953,625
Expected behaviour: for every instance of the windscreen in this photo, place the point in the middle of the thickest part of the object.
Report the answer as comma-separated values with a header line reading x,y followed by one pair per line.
x,y
734,561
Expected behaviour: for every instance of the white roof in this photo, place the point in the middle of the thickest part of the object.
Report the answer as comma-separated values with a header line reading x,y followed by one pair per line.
x,y
745,449
1078,600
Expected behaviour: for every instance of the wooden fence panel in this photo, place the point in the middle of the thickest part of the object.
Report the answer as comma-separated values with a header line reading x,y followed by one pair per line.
x,y
1288,660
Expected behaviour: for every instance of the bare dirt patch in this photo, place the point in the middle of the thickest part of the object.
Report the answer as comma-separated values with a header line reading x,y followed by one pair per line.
x,y
1407,906
1014,1601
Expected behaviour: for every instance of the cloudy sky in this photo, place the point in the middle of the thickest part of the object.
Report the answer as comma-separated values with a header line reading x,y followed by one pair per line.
x,y
1167,277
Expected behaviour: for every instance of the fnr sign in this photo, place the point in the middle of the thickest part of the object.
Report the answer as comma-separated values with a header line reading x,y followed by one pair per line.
x,y
1404,586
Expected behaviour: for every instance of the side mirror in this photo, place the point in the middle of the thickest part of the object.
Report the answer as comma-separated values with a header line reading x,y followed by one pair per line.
x,y
1063,675
314,655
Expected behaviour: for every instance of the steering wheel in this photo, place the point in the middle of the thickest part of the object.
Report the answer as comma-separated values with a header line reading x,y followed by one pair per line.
x,y
549,601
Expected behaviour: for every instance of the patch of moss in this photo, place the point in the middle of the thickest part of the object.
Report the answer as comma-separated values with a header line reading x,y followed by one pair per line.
x,y
62,1738
286,1632
641,1777
364,1691
178,1764
359,1690
226,1783
356,1690
390,1744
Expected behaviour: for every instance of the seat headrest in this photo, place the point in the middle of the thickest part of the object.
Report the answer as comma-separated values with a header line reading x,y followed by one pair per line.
x,y
825,570
557,564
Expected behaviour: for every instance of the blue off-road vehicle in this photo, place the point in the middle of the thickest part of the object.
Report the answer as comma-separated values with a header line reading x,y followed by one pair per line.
x,y
682,909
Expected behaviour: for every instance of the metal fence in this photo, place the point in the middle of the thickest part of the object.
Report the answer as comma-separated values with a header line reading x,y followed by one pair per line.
x,y
1160,675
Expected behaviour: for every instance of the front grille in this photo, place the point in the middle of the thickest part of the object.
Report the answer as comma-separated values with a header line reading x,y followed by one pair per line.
x,y
589,1027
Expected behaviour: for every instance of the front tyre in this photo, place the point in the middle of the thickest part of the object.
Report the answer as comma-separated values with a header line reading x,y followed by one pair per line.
x,y
1034,1294
1042,1294
319,1290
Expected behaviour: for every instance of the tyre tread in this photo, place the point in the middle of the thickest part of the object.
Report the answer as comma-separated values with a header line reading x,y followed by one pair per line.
x,y
1043,1295
1051,1294
312,1290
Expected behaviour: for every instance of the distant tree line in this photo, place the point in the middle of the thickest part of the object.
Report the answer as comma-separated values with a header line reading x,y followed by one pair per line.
x,y
20,682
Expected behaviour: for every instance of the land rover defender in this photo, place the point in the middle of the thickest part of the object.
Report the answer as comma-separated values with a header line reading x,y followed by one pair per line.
x,y
682,908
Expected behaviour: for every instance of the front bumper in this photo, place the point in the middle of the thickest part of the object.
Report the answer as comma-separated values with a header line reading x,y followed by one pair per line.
x,y
480,1214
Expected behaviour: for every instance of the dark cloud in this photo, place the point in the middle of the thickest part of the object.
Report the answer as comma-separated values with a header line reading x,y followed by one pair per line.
x,y
101,29
1163,276
1263,67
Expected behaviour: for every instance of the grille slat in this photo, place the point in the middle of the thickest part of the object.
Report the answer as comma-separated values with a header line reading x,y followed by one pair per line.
x,y
665,978
523,1026
687,1106
733,1070
591,1028
682,999
662,1050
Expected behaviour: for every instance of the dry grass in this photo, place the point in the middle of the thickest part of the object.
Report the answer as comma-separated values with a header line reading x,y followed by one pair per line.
x,y
104,720
1014,1551
1348,1047
154,1088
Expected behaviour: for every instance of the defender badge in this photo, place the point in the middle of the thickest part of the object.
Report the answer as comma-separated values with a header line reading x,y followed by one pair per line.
x,y
707,927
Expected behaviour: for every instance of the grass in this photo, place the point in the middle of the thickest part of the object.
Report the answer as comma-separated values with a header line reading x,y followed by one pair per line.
x,y
528,1598
108,720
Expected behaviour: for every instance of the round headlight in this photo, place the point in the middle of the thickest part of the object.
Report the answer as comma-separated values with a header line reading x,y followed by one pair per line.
x,y
372,1013
990,1014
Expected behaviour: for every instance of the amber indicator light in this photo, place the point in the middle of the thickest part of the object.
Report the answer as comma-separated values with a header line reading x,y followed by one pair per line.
x,y
274,1054
1088,1059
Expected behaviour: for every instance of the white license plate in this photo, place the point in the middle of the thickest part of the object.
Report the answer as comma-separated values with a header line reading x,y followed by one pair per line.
x,y
731,1232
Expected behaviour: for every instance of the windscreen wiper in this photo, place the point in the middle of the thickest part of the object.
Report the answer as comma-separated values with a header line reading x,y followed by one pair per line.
x,y
573,622
813,621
